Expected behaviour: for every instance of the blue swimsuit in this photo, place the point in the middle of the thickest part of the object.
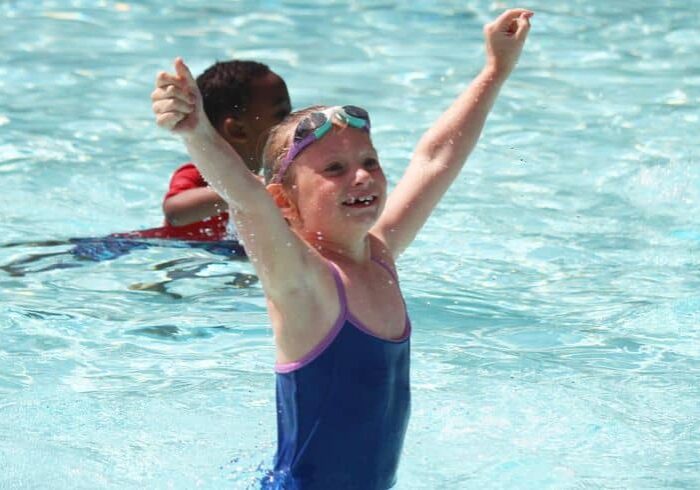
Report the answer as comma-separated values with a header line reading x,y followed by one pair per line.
x,y
343,409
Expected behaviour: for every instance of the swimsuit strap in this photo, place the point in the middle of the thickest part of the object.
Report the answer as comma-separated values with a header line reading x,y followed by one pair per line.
x,y
342,296
386,267
345,314
288,367
393,274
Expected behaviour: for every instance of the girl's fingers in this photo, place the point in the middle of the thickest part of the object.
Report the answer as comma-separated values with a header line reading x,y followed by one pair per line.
x,y
506,18
175,96
163,79
169,120
172,105
184,72
523,26
172,92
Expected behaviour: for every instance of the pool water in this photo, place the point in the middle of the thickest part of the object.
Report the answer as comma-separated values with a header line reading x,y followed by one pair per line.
x,y
555,294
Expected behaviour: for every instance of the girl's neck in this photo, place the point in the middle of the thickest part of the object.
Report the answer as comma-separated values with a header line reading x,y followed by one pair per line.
x,y
358,251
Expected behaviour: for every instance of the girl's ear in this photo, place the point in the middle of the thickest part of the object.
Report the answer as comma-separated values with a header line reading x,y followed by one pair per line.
x,y
281,197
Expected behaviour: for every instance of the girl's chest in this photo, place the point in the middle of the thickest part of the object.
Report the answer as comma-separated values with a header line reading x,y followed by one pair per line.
x,y
374,299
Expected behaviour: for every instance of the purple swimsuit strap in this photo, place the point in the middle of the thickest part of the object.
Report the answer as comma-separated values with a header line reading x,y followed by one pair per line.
x,y
343,316
342,296
330,336
356,321
386,267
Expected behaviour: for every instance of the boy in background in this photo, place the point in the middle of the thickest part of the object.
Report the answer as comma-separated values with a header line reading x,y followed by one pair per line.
x,y
242,100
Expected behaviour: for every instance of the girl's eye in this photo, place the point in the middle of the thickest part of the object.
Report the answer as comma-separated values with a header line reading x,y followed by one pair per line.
x,y
334,167
371,163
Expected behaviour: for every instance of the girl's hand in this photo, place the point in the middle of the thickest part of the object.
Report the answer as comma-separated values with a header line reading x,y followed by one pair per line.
x,y
505,38
177,102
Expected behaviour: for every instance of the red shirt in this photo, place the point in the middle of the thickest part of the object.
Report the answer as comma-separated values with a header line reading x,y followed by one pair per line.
x,y
211,229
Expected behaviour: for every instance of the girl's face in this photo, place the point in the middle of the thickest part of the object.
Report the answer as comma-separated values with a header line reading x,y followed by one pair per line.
x,y
340,188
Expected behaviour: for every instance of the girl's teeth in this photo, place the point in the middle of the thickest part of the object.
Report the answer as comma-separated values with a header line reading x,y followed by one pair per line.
x,y
365,200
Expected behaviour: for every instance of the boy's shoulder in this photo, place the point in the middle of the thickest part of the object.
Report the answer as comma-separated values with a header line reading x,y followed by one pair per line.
x,y
187,169
186,177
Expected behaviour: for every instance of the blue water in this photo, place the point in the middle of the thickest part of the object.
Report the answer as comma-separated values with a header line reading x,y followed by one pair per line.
x,y
555,293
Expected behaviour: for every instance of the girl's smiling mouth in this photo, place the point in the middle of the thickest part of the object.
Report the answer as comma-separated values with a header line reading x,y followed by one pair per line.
x,y
360,201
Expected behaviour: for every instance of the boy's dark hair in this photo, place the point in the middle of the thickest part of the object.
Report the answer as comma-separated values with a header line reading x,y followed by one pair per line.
x,y
225,87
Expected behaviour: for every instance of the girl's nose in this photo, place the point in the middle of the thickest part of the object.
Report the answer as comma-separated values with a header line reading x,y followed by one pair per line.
x,y
362,176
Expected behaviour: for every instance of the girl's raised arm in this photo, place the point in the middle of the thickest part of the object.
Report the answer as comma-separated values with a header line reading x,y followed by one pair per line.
x,y
280,258
444,148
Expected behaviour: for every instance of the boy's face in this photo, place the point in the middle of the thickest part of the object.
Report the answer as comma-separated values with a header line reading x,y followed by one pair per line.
x,y
268,104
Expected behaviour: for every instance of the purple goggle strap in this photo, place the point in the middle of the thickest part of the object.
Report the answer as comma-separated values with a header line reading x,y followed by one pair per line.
x,y
297,147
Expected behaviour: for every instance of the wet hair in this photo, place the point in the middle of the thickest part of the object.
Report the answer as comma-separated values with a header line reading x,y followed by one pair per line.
x,y
226,87
280,140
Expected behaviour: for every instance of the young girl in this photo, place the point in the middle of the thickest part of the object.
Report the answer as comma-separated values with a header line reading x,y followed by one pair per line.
x,y
323,238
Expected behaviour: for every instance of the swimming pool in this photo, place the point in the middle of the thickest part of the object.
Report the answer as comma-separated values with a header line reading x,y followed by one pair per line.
x,y
554,294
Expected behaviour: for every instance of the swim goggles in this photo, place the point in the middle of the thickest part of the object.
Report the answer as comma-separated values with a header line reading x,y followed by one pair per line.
x,y
317,124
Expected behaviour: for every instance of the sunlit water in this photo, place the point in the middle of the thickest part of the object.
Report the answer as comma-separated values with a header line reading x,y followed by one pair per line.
x,y
555,292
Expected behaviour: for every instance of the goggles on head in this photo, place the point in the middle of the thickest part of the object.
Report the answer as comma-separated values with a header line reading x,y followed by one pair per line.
x,y
317,124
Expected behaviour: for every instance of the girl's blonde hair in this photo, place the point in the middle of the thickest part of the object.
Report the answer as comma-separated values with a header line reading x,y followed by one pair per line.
x,y
279,141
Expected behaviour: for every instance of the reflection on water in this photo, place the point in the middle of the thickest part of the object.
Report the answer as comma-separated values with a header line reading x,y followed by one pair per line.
x,y
236,279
